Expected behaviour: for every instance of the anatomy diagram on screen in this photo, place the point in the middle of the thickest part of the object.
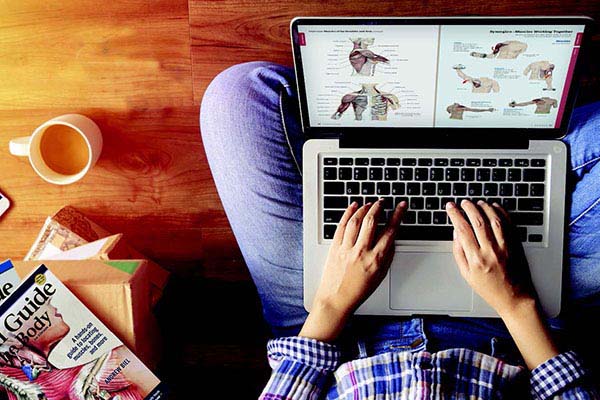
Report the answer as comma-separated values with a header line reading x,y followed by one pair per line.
x,y
456,110
542,105
478,85
367,96
362,59
509,49
540,71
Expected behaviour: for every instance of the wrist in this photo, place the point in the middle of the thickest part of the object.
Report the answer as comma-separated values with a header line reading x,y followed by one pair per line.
x,y
518,308
325,321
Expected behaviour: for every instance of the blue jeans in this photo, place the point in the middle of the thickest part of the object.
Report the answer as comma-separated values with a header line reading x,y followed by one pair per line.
x,y
253,140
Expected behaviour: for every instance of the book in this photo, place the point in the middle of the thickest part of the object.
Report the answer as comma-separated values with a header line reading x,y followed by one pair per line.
x,y
52,348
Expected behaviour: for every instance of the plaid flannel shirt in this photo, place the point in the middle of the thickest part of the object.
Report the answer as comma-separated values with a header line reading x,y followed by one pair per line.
x,y
308,369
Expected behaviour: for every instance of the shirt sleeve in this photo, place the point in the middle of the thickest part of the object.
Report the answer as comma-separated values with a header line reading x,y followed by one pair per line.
x,y
563,376
302,368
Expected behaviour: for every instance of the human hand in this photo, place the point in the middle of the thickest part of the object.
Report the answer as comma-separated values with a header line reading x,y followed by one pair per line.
x,y
356,264
487,259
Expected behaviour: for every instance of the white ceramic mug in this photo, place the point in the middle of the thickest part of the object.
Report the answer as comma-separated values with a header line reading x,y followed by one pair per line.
x,y
30,146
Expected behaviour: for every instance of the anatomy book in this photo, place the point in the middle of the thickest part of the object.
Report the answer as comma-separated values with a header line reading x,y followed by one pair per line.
x,y
52,348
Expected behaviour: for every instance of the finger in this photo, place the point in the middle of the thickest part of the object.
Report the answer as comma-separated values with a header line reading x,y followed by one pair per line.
x,y
463,231
459,256
339,232
369,225
354,224
479,224
389,234
502,211
495,223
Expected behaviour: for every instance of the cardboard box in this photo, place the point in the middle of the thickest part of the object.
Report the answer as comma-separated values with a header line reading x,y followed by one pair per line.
x,y
118,292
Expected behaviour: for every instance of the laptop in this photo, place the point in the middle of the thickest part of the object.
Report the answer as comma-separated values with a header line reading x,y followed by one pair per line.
x,y
431,110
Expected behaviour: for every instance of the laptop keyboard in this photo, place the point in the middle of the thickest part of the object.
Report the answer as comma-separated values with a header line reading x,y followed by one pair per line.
x,y
427,184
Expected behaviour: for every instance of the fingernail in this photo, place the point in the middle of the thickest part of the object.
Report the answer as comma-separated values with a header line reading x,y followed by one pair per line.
x,y
380,199
463,202
353,204
368,204
495,204
403,203
481,202
450,205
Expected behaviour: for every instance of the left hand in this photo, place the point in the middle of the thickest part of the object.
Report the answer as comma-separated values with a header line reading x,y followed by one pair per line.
x,y
356,264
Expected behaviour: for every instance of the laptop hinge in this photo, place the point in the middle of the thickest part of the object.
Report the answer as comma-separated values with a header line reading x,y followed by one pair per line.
x,y
388,142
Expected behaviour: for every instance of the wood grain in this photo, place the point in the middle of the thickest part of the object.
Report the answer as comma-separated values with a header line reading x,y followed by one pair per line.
x,y
127,66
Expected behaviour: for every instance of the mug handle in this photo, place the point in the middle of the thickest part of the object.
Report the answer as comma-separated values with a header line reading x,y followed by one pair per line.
x,y
19,146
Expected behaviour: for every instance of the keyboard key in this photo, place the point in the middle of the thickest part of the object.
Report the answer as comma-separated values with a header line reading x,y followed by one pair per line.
x,y
538,162
446,200
498,175
421,174
346,161
534,175
335,202
490,162
514,175
439,218
332,216
371,199
522,162
390,174
424,218
358,199
509,204
535,238
467,174
405,174
333,188
410,217
428,189
375,174
521,189
527,218
473,162
457,162
368,188
506,189
536,189
425,162
345,173
398,188
329,173
330,161
436,174
383,188
413,189
409,162
490,189
444,189
416,203
360,174
361,161
483,174
424,233
505,162
377,161
452,174
352,188
475,189
531,204
398,200
492,200
522,233
432,203
459,189
440,162
393,162
388,203
328,231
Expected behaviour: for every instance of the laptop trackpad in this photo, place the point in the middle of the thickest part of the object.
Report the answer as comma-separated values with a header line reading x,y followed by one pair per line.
x,y
428,282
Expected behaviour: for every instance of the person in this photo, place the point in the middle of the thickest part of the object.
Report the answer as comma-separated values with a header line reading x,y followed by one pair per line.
x,y
253,140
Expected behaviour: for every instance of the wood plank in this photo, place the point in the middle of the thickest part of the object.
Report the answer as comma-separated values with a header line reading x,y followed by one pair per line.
x,y
127,66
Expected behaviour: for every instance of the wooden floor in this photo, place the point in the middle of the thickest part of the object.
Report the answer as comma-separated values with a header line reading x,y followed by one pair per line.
x,y
139,68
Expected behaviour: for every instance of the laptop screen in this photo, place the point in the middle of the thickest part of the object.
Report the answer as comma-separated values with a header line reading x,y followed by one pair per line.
x,y
451,76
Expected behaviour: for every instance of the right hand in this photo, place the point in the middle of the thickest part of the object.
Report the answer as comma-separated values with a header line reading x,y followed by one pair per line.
x,y
482,253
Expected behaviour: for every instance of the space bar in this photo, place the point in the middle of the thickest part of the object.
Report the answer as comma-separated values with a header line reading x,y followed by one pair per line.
x,y
407,232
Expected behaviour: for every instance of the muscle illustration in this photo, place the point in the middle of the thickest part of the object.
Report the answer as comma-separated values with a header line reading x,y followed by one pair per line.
x,y
457,110
541,71
479,85
542,105
509,49
362,59
369,95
